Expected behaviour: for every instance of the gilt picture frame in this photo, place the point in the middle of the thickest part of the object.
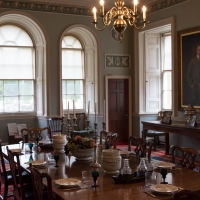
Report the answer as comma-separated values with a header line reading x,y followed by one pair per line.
x,y
188,40
120,61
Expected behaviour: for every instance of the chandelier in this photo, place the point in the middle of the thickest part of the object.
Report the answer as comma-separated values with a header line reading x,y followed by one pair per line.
x,y
121,14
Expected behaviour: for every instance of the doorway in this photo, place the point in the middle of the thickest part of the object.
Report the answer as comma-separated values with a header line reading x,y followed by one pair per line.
x,y
118,98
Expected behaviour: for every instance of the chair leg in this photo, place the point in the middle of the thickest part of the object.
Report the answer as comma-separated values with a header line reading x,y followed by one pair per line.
x,y
5,195
154,140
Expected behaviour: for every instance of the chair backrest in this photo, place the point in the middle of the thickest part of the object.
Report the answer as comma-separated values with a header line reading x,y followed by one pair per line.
x,y
109,137
188,156
33,133
55,124
140,149
19,192
3,175
80,121
38,186
187,195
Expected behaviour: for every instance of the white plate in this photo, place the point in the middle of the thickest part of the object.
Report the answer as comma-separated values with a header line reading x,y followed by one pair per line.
x,y
68,182
165,165
164,188
36,162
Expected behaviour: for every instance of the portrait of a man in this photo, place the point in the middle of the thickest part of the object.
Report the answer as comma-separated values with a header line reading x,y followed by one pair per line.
x,y
190,67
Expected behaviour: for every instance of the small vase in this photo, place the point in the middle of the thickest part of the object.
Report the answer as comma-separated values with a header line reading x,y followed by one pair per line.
x,y
126,170
142,168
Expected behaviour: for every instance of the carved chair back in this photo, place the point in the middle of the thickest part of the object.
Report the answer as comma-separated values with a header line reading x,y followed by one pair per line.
x,y
109,137
55,125
34,133
141,146
19,192
188,156
40,190
80,121
5,179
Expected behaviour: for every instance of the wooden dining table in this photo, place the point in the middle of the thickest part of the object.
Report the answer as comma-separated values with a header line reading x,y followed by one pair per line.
x,y
107,189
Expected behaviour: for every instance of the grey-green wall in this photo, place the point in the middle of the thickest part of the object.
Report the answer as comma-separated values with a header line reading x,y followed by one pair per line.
x,y
186,14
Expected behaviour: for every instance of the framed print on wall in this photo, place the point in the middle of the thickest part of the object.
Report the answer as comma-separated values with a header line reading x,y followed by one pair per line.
x,y
118,60
189,67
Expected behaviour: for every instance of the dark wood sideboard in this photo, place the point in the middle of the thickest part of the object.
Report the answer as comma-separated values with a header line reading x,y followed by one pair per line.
x,y
170,128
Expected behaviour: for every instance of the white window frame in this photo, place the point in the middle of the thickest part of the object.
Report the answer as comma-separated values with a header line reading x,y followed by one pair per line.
x,y
89,42
140,69
40,63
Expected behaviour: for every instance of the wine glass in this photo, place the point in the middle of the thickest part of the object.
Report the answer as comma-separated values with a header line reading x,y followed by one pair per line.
x,y
30,147
56,158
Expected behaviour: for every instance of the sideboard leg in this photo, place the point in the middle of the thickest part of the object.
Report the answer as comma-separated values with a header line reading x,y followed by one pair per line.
x,y
166,143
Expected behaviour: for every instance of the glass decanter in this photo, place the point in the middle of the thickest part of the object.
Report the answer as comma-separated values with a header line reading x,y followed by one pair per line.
x,y
149,165
142,168
126,168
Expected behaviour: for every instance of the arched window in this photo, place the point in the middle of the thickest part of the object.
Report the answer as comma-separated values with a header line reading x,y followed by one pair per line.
x,y
17,66
23,86
73,72
79,68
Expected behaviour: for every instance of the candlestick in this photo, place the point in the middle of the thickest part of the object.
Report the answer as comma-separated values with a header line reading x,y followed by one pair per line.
x,y
74,109
104,111
95,165
95,121
68,117
89,110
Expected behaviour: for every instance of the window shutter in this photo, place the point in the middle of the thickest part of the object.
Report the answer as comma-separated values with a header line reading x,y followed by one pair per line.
x,y
152,66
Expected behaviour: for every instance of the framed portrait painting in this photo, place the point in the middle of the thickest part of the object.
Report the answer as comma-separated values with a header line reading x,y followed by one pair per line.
x,y
189,67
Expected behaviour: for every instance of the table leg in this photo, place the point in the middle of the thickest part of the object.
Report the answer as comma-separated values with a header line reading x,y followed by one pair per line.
x,y
166,143
144,133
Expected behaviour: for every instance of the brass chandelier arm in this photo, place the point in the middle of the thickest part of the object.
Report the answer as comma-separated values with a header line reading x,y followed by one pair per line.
x,y
98,29
140,28
109,16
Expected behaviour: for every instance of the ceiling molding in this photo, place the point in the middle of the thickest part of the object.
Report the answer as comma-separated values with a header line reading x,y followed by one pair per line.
x,y
54,8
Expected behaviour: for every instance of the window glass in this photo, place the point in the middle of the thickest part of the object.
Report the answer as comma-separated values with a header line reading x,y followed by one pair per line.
x,y
166,73
11,35
17,67
72,73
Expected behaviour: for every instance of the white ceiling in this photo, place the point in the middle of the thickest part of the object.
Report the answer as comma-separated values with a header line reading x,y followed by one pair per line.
x,y
90,3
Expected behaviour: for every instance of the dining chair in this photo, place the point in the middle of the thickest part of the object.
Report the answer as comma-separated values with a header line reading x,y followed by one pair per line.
x,y
22,189
33,133
140,146
187,195
110,139
41,191
5,176
188,156
55,125
79,126
156,134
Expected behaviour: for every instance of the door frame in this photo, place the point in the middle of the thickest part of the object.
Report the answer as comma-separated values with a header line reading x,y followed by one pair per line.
x,y
107,77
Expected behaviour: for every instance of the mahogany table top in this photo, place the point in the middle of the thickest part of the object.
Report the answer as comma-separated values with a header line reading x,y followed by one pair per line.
x,y
108,189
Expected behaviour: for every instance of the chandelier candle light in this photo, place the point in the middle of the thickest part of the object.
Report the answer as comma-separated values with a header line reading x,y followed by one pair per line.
x,y
122,15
